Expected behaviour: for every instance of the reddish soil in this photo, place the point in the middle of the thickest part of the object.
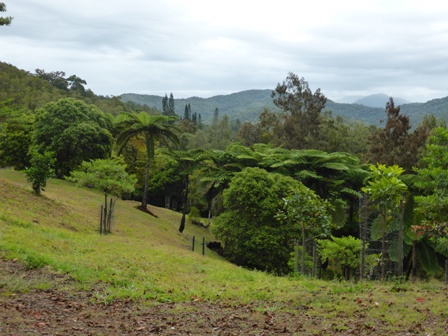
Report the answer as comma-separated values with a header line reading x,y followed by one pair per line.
x,y
54,312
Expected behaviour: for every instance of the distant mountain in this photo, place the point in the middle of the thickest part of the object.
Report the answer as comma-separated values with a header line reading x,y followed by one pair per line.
x,y
247,106
348,99
379,100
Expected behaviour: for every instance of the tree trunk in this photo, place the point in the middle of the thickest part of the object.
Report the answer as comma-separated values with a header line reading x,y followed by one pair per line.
x,y
414,260
184,210
145,188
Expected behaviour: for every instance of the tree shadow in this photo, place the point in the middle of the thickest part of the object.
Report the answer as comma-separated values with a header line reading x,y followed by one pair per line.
x,y
146,210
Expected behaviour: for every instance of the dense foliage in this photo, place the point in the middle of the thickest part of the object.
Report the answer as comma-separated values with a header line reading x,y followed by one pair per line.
x,y
433,202
296,172
106,175
40,170
249,229
74,132
395,144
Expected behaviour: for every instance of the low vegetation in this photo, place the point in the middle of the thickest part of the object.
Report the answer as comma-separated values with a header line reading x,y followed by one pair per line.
x,y
148,261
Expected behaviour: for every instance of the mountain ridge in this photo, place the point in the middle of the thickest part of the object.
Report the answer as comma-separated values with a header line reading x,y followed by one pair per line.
x,y
247,106
379,100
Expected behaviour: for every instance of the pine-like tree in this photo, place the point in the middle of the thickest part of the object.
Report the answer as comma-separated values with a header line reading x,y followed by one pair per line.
x,y
394,144
187,112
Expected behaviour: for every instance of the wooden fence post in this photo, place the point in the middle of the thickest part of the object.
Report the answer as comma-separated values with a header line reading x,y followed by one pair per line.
x,y
203,245
446,272
365,210
296,255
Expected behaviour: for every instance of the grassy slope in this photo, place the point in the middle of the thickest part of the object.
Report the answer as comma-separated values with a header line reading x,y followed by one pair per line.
x,y
146,258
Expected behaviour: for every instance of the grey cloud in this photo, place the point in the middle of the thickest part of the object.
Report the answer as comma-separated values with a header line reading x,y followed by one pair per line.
x,y
170,46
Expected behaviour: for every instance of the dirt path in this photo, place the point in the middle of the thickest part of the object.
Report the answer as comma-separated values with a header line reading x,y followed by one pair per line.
x,y
53,312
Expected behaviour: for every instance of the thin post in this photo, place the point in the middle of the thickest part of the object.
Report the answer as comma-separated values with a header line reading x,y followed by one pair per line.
x,y
365,207
203,245
109,216
296,255
446,272
313,271
101,219
302,267
400,239
105,215
192,248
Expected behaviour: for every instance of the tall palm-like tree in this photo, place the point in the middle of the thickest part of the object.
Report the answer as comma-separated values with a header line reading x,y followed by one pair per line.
x,y
150,129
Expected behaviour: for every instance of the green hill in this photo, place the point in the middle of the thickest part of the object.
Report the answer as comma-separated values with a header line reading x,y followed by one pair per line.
x,y
21,89
24,90
247,106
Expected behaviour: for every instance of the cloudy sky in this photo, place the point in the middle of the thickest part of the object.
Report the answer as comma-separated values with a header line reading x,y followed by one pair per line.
x,y
204,48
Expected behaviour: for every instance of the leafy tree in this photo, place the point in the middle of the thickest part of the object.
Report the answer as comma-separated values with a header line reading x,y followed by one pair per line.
x,y
108,176
15,137
4,21
55,78
76,84
74,132
249,134
40,170
343,255
387,190
307,214
164,180
339,135
298,126
251,234
150,129
433,182
420,246
394,144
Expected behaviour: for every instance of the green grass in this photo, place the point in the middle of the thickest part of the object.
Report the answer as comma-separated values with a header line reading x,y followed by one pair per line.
x,y
146,258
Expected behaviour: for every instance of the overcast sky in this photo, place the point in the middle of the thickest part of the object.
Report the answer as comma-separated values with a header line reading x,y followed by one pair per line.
x,y
205,48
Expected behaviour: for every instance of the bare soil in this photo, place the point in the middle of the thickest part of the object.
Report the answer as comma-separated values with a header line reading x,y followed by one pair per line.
x,y
57,312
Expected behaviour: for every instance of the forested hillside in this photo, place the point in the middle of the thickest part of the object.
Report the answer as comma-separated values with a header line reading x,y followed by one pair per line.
x,y
22,89
31,91
298,168
245,105
248,105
